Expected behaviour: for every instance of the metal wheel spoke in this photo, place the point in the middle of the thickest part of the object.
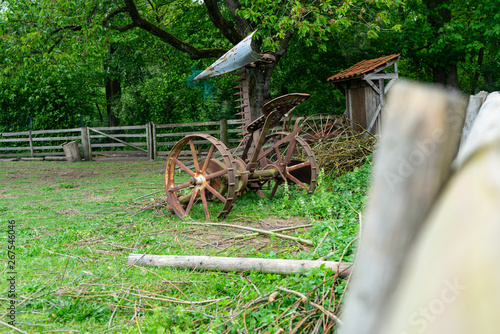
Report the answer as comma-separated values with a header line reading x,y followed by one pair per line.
x,y
216,174
207,160
193,153
277,150
179,187
205,204
183,167
216,193
273,192
291,177
191,201
290,150
297,166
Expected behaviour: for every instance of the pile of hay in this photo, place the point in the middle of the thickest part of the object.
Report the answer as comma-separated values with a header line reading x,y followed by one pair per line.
x,y
345,151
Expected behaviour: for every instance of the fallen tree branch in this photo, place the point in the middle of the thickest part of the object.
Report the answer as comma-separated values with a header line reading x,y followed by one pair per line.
x,y
227,264
279,235
250,235
326,312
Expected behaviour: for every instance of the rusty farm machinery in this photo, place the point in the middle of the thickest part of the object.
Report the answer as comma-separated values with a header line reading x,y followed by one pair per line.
x,y
214,176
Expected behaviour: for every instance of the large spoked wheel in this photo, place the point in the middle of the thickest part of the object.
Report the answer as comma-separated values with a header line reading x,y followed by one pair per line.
x,y
207,175
320,127
294,160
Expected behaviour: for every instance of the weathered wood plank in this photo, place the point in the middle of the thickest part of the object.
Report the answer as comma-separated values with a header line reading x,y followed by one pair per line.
x,y
13,148
120,135
450,283
419,140
228,264
180,125
182,134
38,132
475,103
484,130
37,139
114,128
96,145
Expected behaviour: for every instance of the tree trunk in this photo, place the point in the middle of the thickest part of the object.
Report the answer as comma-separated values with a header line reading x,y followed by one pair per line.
x,y
259,80
113,93
447,76
445,72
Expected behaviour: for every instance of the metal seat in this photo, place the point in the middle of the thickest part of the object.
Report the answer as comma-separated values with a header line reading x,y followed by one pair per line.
x,y
283,105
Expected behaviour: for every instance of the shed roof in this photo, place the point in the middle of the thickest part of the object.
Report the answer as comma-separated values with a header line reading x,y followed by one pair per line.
x,y
361,68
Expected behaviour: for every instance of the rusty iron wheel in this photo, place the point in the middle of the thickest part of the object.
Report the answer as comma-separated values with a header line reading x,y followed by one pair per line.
x,y
294,160
211,178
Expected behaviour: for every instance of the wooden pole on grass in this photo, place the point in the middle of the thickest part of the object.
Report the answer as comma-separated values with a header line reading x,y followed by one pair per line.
x,y
228,264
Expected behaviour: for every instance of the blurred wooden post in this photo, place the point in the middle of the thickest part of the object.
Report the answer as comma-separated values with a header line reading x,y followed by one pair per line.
x,y
86,146
450,284
223,132
420,138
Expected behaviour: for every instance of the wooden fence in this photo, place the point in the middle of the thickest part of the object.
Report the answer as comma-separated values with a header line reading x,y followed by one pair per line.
x,y
429,255
147,141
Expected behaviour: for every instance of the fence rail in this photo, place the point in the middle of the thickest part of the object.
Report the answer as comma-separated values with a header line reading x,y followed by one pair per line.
x,y
142,141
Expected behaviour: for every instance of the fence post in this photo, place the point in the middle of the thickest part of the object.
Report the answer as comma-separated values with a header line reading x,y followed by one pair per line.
x,y
150,141
86,145
31,144
153,140
223,131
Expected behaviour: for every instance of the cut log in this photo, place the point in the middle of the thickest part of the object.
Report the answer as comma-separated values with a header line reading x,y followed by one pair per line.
x,y
419,140
228,264
31,159
55,158
72,151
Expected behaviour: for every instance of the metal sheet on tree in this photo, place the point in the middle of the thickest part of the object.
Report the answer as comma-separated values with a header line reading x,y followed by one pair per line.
x,y
240,55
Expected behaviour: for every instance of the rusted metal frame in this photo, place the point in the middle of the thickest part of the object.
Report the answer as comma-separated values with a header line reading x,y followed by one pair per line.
x,y
291,145
263,133
297,166
249,142
119,140
281,141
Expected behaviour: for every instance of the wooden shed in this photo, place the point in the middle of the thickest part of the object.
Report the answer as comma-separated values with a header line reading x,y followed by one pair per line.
x,y
365,86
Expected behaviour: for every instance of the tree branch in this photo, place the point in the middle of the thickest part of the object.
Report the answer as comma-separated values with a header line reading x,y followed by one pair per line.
x,y
227,28
140,22
243,25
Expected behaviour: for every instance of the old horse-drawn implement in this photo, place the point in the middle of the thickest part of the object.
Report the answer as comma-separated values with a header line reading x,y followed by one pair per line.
x,y
265,160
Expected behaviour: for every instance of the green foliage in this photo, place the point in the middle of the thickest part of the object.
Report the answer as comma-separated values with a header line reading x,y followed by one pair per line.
x,y
58,97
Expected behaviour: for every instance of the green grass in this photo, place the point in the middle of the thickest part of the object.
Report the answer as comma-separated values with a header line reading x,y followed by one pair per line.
x,y
76,224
